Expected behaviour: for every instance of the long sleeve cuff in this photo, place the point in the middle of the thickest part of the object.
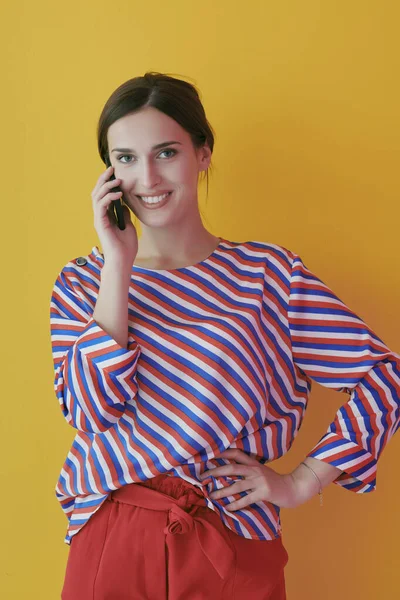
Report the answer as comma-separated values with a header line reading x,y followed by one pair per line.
x,y
96,378
358,465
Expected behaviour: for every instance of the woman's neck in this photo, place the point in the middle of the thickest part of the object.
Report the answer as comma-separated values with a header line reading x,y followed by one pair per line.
x,y
182,253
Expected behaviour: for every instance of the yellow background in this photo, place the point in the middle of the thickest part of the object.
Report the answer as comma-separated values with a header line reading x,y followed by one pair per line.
x,y
304,99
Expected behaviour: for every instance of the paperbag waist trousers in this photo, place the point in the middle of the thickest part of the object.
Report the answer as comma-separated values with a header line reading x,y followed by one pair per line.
x,y
158,540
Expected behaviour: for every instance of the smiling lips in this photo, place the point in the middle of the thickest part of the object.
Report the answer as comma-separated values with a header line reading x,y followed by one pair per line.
x,y
154,201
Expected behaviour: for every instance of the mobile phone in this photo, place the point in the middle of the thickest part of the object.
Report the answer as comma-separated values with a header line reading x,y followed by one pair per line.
x,y
116,204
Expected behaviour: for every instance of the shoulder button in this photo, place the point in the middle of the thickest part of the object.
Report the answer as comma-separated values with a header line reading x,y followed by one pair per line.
x,y
81,261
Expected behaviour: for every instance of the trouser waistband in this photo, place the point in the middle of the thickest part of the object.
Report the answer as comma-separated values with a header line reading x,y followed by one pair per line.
x,y
185,514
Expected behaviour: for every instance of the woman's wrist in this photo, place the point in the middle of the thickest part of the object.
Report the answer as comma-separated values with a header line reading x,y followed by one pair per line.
x,y
311,476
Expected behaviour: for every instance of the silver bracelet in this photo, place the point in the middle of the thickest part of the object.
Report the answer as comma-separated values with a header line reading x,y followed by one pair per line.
x,y
319,482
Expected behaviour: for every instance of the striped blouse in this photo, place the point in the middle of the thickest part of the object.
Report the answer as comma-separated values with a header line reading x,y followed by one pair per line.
x,y
221,354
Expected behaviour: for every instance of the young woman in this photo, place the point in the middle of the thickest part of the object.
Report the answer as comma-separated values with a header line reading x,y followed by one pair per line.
x,y
184,361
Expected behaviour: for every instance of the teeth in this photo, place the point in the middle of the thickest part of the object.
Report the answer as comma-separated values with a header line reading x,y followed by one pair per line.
x,y
153,199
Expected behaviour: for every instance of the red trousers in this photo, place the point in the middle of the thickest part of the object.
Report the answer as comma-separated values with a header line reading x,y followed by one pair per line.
x,y
158,540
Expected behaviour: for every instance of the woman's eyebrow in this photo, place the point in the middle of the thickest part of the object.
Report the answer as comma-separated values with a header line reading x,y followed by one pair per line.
x,y
156,147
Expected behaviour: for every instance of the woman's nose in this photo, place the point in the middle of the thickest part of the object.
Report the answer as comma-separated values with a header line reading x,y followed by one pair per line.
x,y
148,175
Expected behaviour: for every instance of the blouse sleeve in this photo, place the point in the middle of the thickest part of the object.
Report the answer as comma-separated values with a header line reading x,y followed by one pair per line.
x,y
334,347
94,375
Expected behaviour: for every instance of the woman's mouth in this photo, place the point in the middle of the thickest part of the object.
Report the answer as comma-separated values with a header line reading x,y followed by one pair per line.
x,y
154,202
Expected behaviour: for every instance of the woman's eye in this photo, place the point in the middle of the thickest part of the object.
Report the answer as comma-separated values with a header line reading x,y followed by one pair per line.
x,y
129,156
169,150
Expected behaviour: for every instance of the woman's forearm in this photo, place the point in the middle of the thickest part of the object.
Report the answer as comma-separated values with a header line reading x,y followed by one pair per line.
x,y
111,310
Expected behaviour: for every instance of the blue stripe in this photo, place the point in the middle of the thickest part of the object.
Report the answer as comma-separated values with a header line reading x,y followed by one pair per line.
x,y
129,454
81,451
115,461
360,363
332,346
326,328
322,310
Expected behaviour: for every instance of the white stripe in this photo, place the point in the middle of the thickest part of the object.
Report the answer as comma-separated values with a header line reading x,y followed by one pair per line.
x,y
359,370
80,440
103,463
308,315
129,437
334,353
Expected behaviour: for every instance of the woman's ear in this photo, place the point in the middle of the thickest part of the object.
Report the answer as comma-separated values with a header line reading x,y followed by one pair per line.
x,y
204,156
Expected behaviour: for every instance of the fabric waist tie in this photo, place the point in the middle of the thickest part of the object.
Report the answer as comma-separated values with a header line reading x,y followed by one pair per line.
x,y
213,544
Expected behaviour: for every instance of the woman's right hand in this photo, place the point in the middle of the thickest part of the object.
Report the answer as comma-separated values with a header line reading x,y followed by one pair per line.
x,y
118,245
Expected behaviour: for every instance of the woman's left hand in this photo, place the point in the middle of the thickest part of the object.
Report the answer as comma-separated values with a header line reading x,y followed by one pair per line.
x,y
263,483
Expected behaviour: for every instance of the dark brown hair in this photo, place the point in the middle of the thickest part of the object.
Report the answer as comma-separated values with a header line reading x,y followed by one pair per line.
x,y
176,98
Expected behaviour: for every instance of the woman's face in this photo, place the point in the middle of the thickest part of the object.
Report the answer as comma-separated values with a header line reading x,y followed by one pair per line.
x,y
145,171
